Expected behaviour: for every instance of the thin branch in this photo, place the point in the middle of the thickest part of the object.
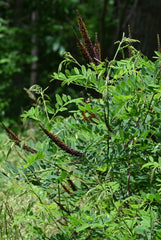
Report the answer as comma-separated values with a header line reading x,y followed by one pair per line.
x,y
61,207
149,107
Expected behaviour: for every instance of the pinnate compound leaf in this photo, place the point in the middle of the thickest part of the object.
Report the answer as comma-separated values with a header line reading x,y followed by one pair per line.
x,y
50,109
59,100
83,227
34,157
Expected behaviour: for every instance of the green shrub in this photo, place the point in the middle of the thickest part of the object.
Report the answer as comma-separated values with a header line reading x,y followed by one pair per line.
x,y
96,173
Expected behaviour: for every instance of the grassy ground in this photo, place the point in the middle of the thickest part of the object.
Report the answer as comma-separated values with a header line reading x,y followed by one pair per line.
x,y
7,193
19,210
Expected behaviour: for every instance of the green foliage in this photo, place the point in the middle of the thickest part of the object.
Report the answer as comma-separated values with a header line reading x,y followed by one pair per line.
x,y
113,191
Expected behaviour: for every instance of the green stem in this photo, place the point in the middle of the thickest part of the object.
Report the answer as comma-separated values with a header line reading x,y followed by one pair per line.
x,y
42,95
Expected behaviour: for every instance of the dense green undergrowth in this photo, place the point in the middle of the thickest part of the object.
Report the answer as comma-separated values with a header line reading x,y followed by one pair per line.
x,y
96,173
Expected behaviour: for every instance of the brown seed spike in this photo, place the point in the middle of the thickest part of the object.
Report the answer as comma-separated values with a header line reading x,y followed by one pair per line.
x,y
17,141
73,186
86,39
97,48
84,52
67,189
29,149
62,145
11,135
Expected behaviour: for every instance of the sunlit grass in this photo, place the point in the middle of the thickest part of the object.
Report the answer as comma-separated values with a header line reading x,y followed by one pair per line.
x,y
20,211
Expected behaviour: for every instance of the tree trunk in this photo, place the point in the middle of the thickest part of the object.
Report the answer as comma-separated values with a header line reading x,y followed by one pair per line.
x,y
144,19
34,51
